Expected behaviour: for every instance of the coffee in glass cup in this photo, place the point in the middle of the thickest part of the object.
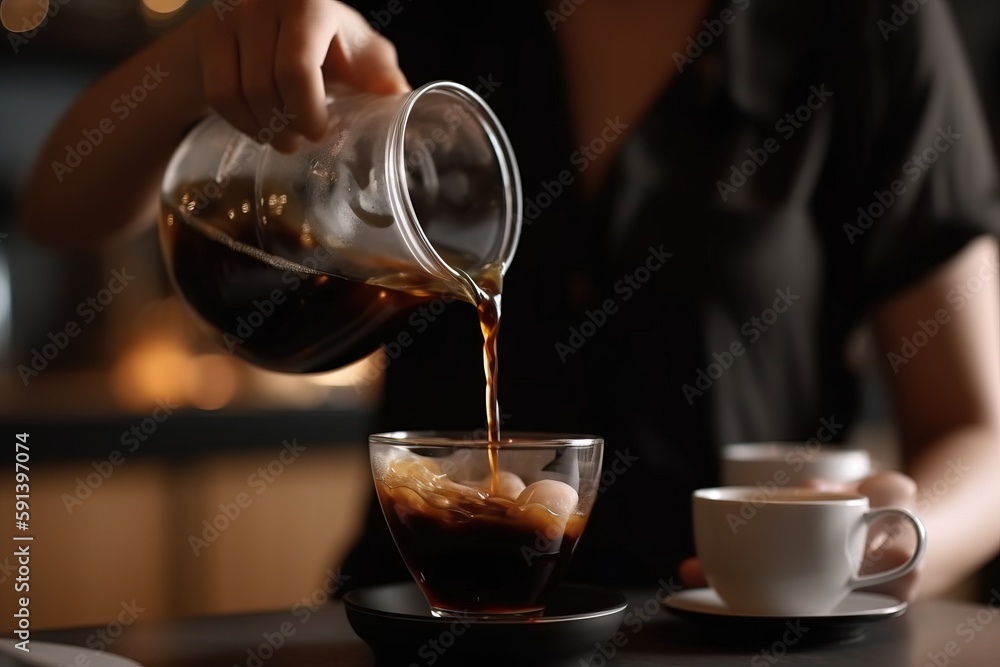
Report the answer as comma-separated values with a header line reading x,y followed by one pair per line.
x,y
486,537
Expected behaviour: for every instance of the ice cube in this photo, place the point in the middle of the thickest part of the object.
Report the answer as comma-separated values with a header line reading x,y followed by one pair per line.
x,y
555,496
510,486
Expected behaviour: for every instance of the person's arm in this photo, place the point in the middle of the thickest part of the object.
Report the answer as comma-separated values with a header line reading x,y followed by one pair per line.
x,y
947,402
250,62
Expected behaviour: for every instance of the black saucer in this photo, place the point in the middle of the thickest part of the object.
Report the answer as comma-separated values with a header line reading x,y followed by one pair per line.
x,y
397,623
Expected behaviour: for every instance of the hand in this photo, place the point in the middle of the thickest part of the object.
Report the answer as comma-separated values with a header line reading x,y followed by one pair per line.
x,y
888,544
262,58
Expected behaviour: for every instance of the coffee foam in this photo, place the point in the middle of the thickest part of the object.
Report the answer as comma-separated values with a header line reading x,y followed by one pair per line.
x,y
422,485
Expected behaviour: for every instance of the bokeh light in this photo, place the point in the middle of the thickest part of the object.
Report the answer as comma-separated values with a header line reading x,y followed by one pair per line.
x,y
155,368
163,6
23,15
213,382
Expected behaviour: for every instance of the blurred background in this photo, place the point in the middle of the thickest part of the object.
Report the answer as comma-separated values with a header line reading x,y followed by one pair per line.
x,y
144,432
142,427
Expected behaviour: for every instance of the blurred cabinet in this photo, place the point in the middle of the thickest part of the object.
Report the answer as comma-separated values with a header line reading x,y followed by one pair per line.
x,y
139,540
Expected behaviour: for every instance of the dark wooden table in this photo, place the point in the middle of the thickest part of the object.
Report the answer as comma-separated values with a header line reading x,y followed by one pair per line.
x,y
931,633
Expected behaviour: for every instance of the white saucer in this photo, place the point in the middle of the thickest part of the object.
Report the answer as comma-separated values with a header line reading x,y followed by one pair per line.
x,y
856,606
847,621
45,654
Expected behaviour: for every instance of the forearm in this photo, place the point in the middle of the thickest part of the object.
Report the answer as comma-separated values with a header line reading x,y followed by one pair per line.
x,y
958,498
100,169
947,402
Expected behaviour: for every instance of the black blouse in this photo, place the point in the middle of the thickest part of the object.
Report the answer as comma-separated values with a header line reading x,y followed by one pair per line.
x,y
807,163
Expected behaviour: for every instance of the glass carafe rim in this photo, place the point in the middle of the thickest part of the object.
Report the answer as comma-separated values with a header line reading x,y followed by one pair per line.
x,y
399,199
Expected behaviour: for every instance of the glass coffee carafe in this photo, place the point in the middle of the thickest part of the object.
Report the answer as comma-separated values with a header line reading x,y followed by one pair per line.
x,y
308,261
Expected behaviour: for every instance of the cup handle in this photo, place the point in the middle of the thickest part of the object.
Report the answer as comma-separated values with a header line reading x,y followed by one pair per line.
x,y
860,581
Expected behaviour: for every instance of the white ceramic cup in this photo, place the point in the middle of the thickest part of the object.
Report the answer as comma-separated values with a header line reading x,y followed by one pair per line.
x,y
788,464
793,551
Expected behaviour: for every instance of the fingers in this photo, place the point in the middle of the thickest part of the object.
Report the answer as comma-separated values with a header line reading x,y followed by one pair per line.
x,y
298,63
363,58
257,45
888,557
889,489
375,68
691,574
884,489
890,541
264,58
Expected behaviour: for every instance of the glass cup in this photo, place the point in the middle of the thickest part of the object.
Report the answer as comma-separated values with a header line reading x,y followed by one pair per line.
x,y
478,544
402,191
